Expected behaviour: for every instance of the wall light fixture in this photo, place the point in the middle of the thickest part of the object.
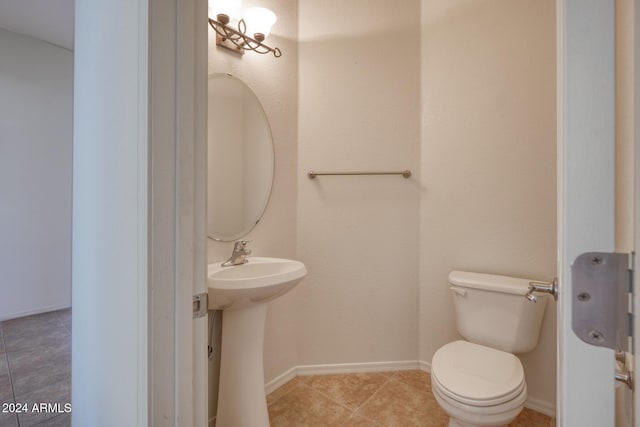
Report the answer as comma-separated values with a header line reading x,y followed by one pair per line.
x,y
250,31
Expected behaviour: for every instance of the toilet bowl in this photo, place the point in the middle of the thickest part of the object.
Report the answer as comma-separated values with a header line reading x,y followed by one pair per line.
x,y
477,385
479,381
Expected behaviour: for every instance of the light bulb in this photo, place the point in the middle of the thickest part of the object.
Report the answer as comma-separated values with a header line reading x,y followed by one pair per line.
x,y
259,21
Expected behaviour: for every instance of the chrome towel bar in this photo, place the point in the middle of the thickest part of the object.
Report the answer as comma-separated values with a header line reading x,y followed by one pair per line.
x,y
404,173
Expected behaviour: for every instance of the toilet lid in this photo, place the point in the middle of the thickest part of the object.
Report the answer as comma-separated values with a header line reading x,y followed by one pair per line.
x,y
477,375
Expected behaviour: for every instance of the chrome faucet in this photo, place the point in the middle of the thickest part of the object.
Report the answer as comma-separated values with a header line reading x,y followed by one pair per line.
x,y
239,254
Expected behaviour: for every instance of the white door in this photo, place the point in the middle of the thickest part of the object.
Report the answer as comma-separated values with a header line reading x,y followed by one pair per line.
x,y
190,340
586,176
178,359
139,357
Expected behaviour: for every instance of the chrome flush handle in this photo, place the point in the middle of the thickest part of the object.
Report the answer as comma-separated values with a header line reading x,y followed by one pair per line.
x,y
544,287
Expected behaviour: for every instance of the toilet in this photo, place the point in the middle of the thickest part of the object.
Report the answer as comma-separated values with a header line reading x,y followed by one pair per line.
x,y
479,381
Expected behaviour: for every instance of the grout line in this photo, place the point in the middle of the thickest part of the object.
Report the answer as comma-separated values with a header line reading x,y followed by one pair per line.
x,y
351,411
413,386
62,322
6,358
287,393
326,396
362,417
387,381
329,398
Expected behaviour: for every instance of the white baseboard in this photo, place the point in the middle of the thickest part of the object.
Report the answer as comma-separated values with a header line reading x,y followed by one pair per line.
x,y
537,405
339,368
352,368
280,380
541,406
9,316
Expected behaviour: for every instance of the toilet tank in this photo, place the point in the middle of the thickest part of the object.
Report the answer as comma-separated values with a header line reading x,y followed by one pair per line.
x,y
492,310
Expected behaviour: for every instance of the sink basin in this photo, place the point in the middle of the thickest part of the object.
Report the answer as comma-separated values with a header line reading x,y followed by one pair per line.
x,y
258,281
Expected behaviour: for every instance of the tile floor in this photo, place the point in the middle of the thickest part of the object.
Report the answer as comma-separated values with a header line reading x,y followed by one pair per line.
x,y
35,368
385,399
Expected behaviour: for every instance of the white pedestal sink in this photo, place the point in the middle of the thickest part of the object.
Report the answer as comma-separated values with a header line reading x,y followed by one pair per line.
x,y
242,291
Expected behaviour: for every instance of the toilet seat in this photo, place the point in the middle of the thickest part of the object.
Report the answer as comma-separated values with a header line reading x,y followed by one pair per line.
x,y
480,416
476,375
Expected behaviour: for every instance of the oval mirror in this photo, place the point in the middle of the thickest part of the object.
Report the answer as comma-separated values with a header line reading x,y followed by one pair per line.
x,y
240,159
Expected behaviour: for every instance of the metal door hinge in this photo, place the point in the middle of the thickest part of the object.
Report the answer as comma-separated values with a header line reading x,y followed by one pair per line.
x,y
602,299
200,305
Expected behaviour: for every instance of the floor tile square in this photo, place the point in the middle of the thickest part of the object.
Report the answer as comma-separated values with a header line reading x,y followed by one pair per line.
x,y
53,393
4,367
416,378
6,391
283,390
305,407
529,418
400,404
31,338
63,420
32,370
8,420
350,390
36,322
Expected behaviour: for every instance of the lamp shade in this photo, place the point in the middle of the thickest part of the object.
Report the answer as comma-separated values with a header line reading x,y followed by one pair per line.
x,y
231,8
259,20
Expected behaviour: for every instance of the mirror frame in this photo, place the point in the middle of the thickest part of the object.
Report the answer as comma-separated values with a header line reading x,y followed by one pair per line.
x,y
263,209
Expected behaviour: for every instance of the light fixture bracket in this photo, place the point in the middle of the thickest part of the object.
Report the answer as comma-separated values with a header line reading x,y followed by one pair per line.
x,y
236,40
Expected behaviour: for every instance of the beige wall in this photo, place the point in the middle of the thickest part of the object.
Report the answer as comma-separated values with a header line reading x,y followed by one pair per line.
x,y
488,197
359,110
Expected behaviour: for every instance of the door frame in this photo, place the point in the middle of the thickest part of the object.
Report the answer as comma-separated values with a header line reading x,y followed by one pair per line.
x,y
586,195
636,204
178,60
192,95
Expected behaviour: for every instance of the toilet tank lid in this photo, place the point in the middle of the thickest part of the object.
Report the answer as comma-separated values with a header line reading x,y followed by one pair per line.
x,y
489,282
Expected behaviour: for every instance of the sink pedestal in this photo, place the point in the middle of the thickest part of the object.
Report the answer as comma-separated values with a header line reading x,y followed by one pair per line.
x,y
241,399
242,291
